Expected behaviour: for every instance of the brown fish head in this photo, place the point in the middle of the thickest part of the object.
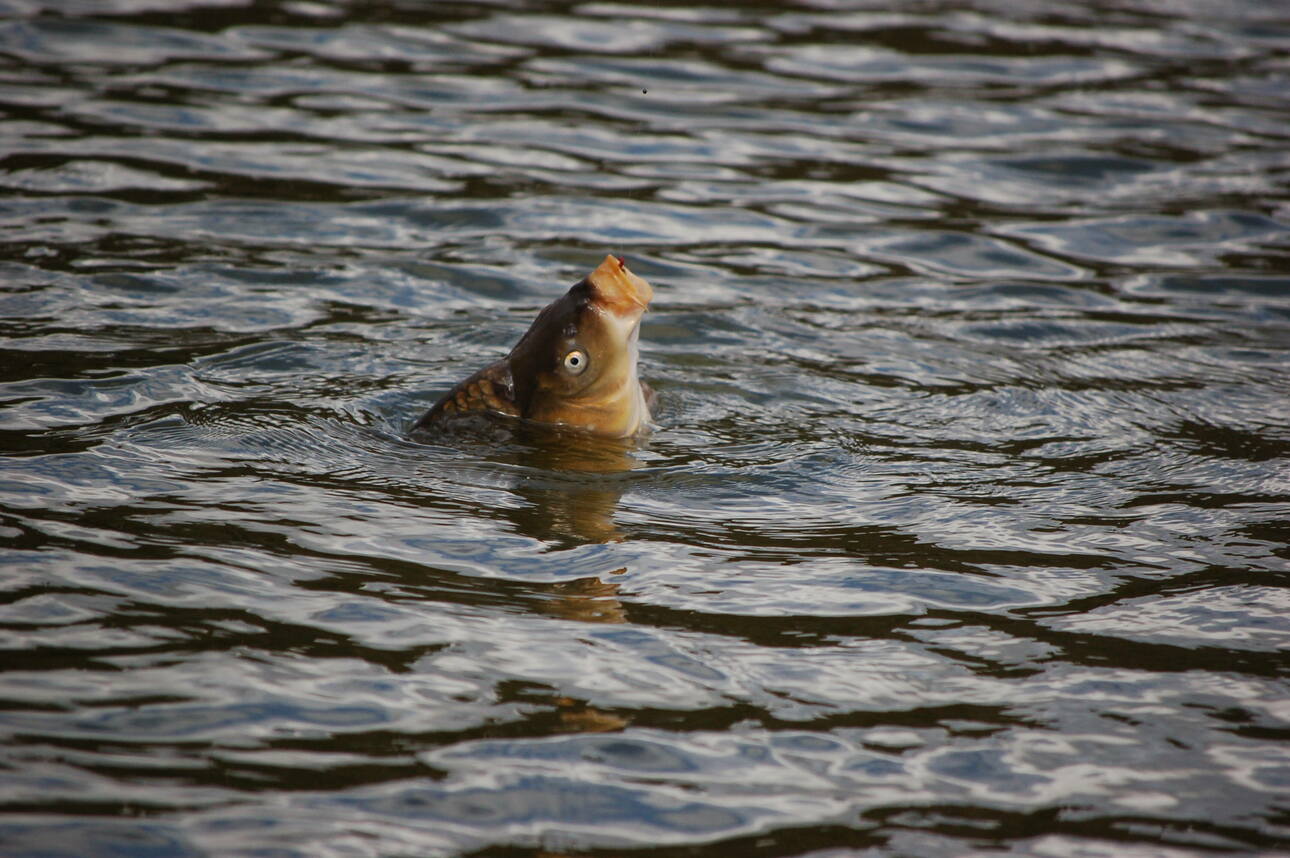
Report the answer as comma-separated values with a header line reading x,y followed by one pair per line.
x,y
576,366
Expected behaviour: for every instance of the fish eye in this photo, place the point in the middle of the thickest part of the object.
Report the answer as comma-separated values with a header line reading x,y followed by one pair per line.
x,y
575,361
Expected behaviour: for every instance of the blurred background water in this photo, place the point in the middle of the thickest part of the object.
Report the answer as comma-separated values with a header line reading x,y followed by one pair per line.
x,y
963,529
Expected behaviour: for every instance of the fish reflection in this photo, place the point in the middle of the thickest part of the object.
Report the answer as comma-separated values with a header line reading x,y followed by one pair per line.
x,y
577,717
572,487
588,600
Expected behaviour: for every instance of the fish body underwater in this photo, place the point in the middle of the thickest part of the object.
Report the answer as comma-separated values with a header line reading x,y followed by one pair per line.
x,y
574,368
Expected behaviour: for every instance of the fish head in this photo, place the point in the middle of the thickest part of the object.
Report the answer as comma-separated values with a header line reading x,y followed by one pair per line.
x,y
576,366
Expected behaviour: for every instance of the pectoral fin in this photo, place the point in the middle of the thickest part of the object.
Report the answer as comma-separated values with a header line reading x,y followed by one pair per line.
x,y
487,391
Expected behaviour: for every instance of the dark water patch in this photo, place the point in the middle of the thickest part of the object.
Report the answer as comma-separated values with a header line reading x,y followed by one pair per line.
x,y
57,839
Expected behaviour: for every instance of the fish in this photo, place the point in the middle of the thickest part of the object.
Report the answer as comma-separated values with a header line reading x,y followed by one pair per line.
x,y
575,368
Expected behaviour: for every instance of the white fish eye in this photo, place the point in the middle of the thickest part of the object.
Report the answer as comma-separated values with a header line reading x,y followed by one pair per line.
x,y
575,361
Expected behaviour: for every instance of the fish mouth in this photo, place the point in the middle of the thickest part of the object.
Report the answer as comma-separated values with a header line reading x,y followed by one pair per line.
x,y
618,290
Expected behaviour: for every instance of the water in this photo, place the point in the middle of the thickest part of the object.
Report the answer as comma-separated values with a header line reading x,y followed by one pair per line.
x,y
963,529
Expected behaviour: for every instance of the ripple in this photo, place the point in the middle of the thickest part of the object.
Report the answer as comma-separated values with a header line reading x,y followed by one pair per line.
x,y
970,256
873,65
1231,617
77,177
1261,298
52,41
1188,240
429,49
586,33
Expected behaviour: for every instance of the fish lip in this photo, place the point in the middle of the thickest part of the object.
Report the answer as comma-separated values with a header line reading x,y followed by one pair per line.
x,y
617,289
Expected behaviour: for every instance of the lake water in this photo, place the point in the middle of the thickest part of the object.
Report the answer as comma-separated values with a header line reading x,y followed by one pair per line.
x,y
963,529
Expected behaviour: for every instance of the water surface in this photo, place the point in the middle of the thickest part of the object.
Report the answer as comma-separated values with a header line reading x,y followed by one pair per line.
x,y
963,529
